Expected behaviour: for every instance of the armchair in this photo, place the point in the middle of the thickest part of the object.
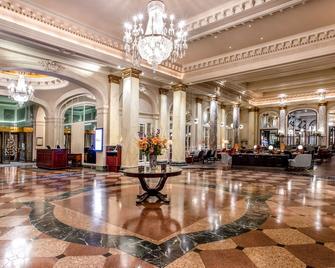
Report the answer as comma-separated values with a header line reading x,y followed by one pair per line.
x,y
301,161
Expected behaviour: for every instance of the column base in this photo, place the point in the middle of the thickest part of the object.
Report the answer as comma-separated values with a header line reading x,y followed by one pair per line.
x,y
180,164
101,168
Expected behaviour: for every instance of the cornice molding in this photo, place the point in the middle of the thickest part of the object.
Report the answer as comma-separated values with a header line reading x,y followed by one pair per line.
x,y
285,44
293,98
211,21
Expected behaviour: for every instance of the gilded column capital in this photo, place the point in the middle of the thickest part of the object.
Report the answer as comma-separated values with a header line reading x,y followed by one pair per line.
x,y
179,87
324,103
253,109
163,91
283,108
114,79
198,100
223,107
131,72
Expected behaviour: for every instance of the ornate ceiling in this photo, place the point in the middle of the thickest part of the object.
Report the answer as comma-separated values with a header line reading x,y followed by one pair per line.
x,y
250,46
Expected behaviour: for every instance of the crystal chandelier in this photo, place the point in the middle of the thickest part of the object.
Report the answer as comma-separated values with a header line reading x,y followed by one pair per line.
x,y
161,39
21,92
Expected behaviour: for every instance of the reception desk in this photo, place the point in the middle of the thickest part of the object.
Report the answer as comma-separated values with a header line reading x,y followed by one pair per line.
x,y
51,158
262,160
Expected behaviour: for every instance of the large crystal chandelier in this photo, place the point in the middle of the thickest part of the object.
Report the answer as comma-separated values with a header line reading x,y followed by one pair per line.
x,y
20,92
161,39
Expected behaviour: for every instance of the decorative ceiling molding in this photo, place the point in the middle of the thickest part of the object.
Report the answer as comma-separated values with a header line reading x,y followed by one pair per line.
x,y
35,18
297,41
52,66
293,99
212,21
38,83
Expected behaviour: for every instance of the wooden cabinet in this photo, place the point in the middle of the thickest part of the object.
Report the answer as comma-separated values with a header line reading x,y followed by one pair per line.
x,y
52,158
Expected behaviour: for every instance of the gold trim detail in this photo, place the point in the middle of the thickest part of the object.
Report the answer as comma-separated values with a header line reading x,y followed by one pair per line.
x,y
179,87
253,109
163,91
198,100
16,129
130,72
323,103
114,79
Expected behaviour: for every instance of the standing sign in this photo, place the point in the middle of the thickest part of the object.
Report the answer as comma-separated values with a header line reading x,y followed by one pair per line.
x,y
99,139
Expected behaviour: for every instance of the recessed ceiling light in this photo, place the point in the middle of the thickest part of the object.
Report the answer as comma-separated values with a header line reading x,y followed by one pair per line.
x,y
230,47
261,38
119,67
249,25
215,36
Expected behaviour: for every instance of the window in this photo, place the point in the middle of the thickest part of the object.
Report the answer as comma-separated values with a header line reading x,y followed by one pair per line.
x,y
78,114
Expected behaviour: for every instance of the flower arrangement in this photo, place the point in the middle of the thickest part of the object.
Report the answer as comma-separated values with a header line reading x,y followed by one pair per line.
x,y
151,144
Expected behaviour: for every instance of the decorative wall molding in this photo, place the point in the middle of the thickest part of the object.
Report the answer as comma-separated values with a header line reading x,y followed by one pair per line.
x,y
292,98
52,66
211,21
282,45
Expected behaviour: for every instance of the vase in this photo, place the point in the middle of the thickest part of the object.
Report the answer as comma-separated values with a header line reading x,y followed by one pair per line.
x,y
153,161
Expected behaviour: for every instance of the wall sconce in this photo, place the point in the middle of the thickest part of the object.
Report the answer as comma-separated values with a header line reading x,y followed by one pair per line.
x,y
196,121
241,126
222,124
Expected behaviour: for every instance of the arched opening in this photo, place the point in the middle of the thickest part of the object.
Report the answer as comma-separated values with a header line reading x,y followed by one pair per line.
x,y
302,127
269,125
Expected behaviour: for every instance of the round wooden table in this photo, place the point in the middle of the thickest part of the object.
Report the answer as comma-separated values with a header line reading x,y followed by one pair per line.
x,y
146,172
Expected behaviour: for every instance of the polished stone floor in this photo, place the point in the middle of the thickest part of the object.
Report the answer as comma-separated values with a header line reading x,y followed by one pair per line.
x,y
216,218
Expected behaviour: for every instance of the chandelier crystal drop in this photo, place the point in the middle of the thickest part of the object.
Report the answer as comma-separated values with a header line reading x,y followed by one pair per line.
x,y
21,92
161,40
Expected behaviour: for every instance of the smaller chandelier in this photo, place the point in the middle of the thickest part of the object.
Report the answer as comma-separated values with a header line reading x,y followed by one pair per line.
x,y
161,40
21,92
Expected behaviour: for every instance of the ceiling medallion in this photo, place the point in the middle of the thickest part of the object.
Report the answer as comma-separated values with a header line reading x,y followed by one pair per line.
x,y
52,66
21,92
160,41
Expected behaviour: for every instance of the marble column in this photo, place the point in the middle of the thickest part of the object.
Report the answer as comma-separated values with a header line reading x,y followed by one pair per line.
x,y
213,122
322,122
102,122
236,124
130,111
223,126
282,121
52,125
218,128
252,127
178,124
164,119
114,110
199,126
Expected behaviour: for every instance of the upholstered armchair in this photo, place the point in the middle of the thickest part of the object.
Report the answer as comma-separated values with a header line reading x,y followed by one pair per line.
x,y
301,161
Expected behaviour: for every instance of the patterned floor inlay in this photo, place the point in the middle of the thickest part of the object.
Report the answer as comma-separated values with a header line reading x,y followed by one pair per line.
x,y
217,218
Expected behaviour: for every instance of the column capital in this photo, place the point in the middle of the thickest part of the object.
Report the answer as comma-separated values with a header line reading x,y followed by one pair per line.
x,y
214,98
163,91
283,108
223,107
131,72
198,100
236,105
114,79
179,87
324,103
253,109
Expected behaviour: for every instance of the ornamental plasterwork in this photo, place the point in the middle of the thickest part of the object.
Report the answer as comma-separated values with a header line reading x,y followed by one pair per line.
x,y
297,41
38,82
233,8
303,97
52,66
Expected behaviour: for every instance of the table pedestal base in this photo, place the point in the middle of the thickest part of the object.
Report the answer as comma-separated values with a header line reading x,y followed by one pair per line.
x,y
153,191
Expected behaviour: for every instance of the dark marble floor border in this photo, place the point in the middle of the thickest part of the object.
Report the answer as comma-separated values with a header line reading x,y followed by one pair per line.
x,y
43,218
